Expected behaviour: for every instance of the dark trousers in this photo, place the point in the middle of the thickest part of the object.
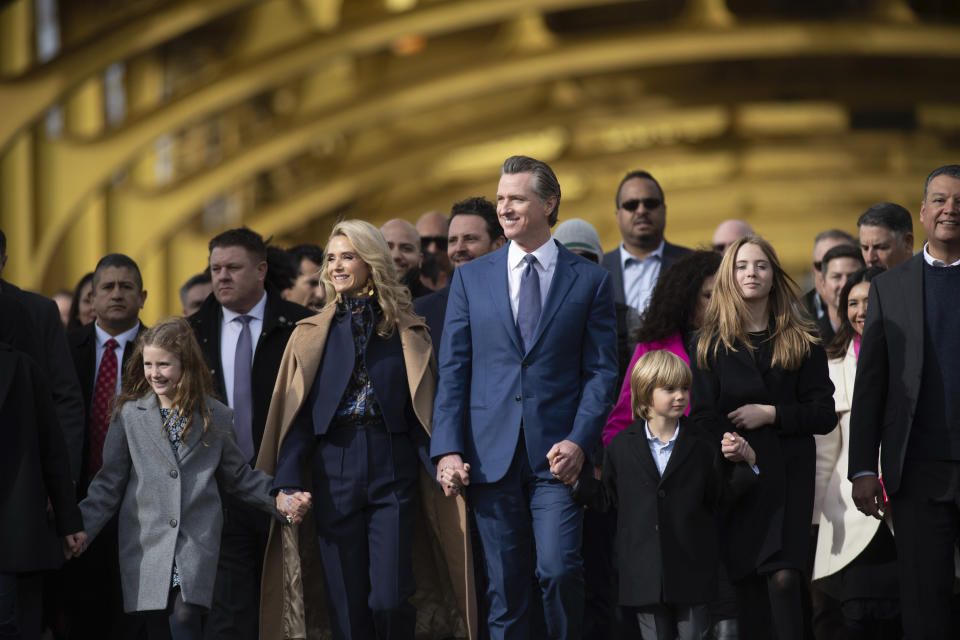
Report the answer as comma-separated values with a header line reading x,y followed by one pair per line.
x,y
926,519
20,606
674,621
364,499
92,596
530,526
235,613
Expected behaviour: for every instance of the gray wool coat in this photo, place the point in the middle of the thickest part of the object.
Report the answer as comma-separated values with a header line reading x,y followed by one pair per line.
x,y
169,509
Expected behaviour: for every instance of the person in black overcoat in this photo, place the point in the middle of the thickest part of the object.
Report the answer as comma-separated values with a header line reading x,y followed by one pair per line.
x,y
34,471
239,271
761,372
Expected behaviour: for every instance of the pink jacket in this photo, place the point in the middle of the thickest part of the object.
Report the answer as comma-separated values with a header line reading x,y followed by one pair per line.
x,y
621,416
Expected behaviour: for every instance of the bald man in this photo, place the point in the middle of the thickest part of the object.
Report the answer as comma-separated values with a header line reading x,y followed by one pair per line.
x,y
728,232
404,243
433,228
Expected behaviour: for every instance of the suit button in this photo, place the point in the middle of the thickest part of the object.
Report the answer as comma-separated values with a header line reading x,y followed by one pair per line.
x,y
656,527
518,398
174,474
173,523
662,493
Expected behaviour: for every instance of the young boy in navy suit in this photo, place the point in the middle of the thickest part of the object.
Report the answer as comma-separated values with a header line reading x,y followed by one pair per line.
x,y
666,480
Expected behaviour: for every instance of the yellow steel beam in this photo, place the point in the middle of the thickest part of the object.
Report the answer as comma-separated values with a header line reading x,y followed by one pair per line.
x,y
76,169
26,98
16,38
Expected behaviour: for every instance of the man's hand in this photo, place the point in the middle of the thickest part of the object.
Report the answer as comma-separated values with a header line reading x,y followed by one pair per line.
x,y
868,495
566,459
294,505
74,544
753,416
452,474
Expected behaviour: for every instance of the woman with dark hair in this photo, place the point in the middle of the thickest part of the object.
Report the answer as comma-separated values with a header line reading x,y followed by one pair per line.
x,y
856,558
761,374
81,307
675,312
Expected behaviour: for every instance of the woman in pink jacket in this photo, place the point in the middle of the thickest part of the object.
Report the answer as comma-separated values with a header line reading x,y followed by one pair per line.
x,y
675,312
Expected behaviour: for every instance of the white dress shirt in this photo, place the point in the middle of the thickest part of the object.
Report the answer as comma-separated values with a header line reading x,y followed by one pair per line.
x,y
546,255
122,340
229,334
640,276
935,262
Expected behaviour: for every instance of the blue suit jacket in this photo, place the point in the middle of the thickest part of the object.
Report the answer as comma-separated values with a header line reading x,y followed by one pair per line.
x,y
561,389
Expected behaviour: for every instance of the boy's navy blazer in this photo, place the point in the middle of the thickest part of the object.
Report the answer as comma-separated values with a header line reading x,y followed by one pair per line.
x,y
667,527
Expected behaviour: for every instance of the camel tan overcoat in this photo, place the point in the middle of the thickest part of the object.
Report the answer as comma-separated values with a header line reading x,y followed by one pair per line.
x,y
291,600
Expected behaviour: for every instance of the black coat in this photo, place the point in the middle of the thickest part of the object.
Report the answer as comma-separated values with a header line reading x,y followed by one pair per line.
x,y
279,319
54,360
433,308
35,467
83,349
889,373
770,528
667,527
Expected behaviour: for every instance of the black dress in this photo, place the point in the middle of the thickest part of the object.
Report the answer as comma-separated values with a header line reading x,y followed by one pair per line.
x,y
769,528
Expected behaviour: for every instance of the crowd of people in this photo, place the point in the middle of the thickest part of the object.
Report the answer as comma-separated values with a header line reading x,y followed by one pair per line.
x,y
484,426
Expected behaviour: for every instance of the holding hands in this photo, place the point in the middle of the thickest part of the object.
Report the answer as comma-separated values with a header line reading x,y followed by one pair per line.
x,y
453,474
566,458
294,505
753,416
74,544
736,449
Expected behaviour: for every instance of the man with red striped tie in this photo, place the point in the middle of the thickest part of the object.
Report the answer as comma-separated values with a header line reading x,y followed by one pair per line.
x,y
99,351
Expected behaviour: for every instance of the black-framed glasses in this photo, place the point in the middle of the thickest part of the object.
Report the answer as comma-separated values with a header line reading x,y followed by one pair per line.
x,y
648,204
426,241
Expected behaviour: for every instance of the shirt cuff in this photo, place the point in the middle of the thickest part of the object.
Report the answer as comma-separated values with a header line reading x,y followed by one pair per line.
x,y
755,469
863,473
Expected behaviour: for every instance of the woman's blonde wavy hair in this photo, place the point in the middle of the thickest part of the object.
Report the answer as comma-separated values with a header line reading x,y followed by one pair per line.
x,y
726,316
368,242
176,337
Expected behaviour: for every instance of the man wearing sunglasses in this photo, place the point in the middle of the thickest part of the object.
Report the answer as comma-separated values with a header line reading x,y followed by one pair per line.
x,y
432,227
644,254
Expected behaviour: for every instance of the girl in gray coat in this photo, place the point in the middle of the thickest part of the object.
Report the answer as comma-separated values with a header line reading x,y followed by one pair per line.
x,y
169,451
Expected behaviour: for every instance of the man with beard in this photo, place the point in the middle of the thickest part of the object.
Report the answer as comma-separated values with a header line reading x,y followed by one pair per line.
x,y
474,231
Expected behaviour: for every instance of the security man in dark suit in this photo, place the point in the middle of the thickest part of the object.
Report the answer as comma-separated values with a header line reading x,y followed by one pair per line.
x,y
906,411
643,255
242,328
54,360
100,350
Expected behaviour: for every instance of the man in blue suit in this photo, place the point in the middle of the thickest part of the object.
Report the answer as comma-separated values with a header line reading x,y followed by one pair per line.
x,y
528,365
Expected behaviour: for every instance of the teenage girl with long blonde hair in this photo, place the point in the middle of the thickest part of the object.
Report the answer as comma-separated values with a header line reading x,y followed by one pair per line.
x,y
761,373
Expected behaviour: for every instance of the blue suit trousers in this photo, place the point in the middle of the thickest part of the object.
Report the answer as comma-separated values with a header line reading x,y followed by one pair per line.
x,y
530,526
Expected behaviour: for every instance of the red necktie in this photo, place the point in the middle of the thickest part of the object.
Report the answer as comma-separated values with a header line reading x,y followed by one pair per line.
x,y
103,394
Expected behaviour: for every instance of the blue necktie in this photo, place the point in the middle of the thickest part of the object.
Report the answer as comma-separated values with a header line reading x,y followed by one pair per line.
x,y
242,402
528,306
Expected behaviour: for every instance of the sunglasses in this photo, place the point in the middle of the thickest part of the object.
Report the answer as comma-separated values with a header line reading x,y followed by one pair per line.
x,y
648,203
440,241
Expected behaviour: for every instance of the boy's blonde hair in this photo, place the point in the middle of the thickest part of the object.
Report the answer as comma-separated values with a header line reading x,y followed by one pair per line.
x,y
655,369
